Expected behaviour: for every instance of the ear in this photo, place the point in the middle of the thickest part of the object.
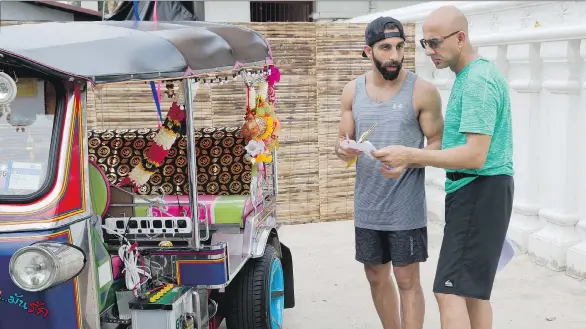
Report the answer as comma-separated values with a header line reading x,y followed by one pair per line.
x,y
462,37
367,51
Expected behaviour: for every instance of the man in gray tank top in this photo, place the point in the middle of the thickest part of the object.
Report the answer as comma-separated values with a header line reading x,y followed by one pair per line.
x,y
389,206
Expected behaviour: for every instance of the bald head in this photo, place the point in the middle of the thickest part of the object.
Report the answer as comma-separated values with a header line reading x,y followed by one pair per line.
x,y
446,19
445,38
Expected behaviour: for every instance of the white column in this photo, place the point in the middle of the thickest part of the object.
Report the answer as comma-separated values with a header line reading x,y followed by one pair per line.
x,y
577,254
524,76
498,55
559,106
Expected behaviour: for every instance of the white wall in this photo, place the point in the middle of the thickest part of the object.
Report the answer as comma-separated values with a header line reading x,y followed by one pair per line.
x,y
93,5
324,10
227,11
327,10
22,11
382,5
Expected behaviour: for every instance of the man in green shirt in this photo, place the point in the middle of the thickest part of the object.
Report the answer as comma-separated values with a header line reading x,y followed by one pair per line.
x,y
477,152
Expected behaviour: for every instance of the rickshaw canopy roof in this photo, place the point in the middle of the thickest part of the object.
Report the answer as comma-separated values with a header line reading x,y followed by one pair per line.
x,y
113,51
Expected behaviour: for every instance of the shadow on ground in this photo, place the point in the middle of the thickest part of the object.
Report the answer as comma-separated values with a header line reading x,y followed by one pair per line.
x,y
332,292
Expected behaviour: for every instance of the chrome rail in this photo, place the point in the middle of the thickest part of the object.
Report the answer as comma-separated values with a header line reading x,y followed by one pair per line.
x,y
191,160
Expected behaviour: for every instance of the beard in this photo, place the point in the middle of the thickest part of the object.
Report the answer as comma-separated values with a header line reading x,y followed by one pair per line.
x,y
382,68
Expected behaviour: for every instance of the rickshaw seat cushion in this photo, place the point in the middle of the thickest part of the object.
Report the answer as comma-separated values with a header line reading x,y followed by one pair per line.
x,y
218,209
100,192
221,167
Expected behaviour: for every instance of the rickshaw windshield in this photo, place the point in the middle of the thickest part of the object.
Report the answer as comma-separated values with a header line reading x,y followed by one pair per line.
x,y
27,131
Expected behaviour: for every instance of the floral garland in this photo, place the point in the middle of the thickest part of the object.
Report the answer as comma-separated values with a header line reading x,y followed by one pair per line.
x,y
261,124
158,148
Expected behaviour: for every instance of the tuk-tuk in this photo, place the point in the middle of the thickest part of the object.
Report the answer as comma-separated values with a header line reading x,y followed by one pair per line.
x,y
172,227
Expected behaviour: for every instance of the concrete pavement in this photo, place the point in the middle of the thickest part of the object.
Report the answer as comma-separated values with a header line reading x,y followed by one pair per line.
x,y
332,292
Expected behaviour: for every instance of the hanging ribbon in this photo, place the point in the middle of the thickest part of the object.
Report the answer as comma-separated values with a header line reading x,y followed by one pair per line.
x,y
156,19
136,16
238,65
135,9
248,109
157,103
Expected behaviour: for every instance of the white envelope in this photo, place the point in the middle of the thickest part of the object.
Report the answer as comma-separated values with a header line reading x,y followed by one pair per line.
x,y
506,254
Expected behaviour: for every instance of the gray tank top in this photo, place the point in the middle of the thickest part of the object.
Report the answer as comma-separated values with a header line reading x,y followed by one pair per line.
x,y
384,203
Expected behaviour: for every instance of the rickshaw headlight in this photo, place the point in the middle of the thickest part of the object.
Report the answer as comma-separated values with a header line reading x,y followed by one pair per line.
x,y
44,265
7,89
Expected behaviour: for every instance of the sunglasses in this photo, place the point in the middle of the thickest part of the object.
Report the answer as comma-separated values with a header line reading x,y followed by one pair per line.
x,y
435,42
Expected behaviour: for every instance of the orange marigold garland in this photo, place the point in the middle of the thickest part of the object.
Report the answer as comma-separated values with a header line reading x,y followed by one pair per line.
x,y
158,148
261,125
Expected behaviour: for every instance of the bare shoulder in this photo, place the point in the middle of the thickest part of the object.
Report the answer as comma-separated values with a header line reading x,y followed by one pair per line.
x,y
349,88
348,95
426,96
424,88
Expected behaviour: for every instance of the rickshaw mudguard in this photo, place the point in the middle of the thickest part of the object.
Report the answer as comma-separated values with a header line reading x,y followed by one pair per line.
x,y
58,307
287,261
270,235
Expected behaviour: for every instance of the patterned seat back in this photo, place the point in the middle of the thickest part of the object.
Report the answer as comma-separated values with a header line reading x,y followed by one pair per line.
x,y
221,167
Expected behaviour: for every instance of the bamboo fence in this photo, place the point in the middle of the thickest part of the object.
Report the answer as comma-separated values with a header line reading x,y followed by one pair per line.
x,y
316,60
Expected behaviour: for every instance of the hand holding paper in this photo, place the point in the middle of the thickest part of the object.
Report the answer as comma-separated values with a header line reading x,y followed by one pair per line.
x,y
365,147
360,145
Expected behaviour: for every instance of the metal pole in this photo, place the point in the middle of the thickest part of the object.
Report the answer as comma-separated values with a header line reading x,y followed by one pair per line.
x,y
190,126
275,173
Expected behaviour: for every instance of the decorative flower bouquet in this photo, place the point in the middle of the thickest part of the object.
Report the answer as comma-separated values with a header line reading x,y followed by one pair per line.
x,y
261,124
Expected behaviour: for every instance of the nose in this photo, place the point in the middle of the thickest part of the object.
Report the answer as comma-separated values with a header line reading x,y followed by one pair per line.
x,y
394,55
429,51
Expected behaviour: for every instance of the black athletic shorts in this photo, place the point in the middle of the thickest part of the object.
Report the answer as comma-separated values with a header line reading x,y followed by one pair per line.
x,y
401,247
477,219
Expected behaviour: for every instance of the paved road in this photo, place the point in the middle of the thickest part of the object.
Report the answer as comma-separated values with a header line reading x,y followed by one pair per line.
x,y
332,292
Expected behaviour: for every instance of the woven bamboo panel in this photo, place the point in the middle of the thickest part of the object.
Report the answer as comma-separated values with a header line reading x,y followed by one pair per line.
x,y
316,61
293,46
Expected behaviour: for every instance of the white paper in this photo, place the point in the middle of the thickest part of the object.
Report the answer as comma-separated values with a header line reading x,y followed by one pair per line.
x,y
25,176
4,172
506,254
366,147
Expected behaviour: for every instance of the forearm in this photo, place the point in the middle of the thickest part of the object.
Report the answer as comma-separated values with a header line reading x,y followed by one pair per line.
x,y
461,157
434,145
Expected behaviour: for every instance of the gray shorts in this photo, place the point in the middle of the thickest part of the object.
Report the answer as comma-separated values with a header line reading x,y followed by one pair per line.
x,y
401,247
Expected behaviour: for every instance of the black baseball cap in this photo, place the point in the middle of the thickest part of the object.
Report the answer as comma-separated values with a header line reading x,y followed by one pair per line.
x,y
375,31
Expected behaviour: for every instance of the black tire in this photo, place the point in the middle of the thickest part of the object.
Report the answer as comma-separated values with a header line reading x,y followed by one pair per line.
x,y
248,295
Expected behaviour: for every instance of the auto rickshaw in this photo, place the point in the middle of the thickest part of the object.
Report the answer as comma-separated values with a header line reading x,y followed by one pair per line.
x,y
166,228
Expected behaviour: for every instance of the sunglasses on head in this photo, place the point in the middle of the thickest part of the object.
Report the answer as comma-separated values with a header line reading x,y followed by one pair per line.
x,y
435,42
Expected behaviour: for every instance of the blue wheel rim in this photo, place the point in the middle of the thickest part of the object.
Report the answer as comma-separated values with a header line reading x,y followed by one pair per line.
x,y
276,294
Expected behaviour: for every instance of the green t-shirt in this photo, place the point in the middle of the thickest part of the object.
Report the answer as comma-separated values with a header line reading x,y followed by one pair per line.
x,y
479,103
